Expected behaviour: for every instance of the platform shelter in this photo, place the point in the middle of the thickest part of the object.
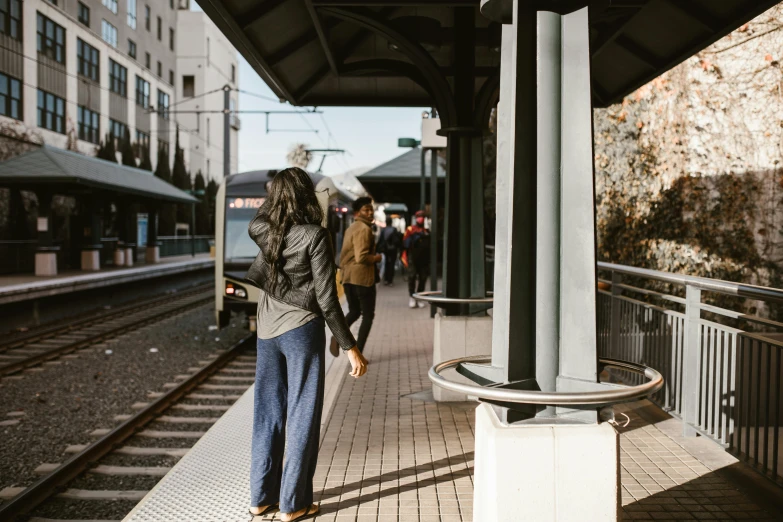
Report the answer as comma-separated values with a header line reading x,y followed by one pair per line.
x,y
98,186
545,64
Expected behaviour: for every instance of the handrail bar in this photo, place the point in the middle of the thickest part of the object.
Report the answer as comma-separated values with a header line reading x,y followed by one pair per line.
x,y
712,285
588,398
436,297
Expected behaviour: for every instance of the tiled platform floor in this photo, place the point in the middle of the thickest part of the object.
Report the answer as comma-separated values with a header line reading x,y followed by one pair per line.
x,y
386,457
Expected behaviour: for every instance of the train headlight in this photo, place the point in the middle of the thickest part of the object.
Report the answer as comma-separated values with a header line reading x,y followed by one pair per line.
x,y
235,290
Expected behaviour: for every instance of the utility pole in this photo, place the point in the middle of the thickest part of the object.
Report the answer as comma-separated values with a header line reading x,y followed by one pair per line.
x,y
226,131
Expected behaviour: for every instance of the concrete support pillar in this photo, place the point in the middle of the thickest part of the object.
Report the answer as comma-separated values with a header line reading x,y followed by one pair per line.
x,y
463,260
455,337
90,258
544,333
46,253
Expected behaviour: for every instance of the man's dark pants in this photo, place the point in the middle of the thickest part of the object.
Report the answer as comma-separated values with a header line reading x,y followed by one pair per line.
x,y
417,279
390,258
361,301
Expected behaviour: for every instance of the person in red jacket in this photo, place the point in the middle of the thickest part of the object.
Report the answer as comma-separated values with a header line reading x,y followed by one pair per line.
x,y
416,257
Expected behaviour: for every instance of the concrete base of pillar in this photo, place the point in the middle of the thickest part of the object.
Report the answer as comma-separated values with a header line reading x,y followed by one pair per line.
x,y
119,257
128,257
152,254
545,472
91,260
459,336
45,264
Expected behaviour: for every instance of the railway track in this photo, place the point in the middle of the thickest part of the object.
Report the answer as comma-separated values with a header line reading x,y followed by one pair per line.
x,y
51,343
141,449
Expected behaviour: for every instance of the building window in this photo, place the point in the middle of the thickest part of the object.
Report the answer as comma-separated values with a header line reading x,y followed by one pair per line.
x,y
10,97
11,18
160,69
142,142
87,60
147,60
142,92
51,112
188,86
208,133
84,14
51,39
171,38
147,17
89,126
233,73
171,3
109,33
111,5
118,78
171,77
163,105
117,130
131,48
132,14
160,29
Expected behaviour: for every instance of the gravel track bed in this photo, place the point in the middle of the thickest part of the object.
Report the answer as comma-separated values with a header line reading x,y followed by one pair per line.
x,y
148,442
96,482
86,509
165,426
63,403
132,460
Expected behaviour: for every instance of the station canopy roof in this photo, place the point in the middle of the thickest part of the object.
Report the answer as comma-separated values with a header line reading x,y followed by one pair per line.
x,y
356,52
67,172
404,168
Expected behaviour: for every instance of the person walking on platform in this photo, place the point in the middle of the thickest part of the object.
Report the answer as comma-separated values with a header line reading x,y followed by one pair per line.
x,y
389,245
359,273
416,257
295,274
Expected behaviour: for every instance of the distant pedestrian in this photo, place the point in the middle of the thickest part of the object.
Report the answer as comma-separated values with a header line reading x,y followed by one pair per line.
x,y
389,245
295,274
416,257
359,273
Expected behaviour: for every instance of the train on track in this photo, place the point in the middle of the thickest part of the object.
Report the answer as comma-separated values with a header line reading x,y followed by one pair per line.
x,y
238,199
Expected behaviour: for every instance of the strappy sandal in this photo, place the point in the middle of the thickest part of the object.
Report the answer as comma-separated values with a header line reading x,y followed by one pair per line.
x,y
311,510
269,508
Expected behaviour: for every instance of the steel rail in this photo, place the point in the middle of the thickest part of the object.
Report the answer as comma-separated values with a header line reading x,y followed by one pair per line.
x,y
41,490
712,285
588,398
14,367
47,332
436,298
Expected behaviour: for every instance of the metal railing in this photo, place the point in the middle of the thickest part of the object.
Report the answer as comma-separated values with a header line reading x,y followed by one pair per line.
x,y
183,245
722,367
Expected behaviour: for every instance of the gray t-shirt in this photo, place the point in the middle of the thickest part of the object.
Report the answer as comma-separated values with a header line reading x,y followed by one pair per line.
x,y
274,318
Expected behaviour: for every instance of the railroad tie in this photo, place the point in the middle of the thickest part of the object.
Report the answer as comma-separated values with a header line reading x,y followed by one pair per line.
x,y
125,471
137,451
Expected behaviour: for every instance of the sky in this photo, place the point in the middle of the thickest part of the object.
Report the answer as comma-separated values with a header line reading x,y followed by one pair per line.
x,y
368,134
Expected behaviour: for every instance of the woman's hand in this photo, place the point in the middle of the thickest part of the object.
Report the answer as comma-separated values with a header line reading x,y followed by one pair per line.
x,y
358,362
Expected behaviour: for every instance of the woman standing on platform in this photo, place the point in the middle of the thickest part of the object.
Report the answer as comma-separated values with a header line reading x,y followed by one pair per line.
x,y
295,272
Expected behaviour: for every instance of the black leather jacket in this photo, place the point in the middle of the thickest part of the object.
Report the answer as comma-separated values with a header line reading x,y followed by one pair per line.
x,y
309,263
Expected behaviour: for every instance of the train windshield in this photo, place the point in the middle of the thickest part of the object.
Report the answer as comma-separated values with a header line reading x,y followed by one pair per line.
x,y
239,248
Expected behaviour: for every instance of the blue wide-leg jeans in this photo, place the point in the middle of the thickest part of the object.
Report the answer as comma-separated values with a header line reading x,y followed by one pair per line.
x,y
289,396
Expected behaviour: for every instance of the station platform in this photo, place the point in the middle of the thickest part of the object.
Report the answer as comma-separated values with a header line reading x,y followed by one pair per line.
x,y
25,287
389,453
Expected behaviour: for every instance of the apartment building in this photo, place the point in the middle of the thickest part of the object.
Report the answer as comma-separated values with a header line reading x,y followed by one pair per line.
x,y
76,70
206,62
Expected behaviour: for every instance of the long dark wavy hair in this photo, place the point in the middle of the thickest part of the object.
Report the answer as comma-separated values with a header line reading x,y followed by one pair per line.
x,y
291,201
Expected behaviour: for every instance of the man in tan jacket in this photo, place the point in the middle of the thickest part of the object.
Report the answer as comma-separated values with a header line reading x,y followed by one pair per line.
x,y
357,263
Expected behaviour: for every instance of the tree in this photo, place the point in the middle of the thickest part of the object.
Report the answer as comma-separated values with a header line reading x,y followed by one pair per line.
x,y
299,156
146,161
128,156
210,197
106,149
168,212
181,179
202,208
